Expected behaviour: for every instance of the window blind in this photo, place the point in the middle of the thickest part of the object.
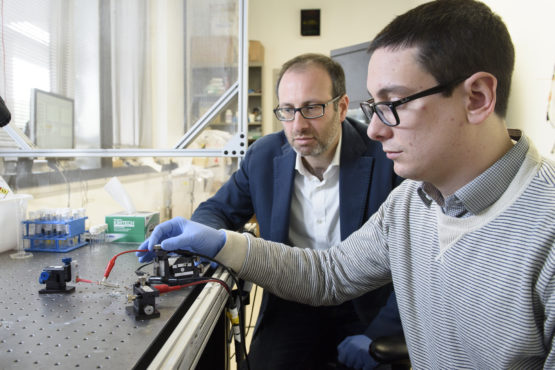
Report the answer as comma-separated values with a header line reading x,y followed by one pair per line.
x,y
36,53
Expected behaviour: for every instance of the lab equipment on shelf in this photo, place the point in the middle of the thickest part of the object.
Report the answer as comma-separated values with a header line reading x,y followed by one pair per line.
x,y
54,230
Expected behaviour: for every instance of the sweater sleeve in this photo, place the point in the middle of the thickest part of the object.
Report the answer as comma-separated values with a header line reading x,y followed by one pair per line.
x,y
320,277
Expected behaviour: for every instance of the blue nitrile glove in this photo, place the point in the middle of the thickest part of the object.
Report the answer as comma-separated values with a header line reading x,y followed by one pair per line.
x,y
145,256
179,233
353,352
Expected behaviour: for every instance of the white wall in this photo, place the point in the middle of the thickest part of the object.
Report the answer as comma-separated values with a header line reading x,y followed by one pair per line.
x,y
531,24
343,23
532,28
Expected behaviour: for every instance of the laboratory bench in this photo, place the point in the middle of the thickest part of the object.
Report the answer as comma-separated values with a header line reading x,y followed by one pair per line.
x,y
94,326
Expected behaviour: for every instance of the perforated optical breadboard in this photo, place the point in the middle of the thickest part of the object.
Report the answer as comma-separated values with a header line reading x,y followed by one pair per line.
x,y
92,328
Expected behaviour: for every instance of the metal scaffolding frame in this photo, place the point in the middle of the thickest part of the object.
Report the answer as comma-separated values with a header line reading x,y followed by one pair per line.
x,y
235,147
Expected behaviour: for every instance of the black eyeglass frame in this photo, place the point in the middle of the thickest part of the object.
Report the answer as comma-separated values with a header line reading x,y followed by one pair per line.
x,y
371,105
300,110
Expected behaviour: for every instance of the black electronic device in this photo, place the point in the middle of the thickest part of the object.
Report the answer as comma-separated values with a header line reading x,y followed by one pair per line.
x,y
55,278
310,22
5,116
169,270
144,300
173,270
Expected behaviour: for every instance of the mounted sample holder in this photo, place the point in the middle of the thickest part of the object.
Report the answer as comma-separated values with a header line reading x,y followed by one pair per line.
x,y
169,270
172,270
55,277
144,300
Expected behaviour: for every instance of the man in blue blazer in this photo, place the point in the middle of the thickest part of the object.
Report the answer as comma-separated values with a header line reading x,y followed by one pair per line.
x,y
304,190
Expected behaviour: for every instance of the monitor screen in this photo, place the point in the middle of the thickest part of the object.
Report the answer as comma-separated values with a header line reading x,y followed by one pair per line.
x,y
51,120
354,60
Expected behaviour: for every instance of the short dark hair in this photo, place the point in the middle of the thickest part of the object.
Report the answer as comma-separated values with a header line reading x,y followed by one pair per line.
x,y
455,39
334,69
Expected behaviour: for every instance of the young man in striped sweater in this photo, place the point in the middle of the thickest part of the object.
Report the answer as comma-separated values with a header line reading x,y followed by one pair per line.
x,y
468,240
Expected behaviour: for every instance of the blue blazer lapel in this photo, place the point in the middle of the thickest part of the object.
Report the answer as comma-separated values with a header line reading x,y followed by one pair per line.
x,y
354,181
284,174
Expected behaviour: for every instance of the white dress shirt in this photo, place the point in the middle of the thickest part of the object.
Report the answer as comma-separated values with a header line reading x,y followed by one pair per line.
x,y
314,217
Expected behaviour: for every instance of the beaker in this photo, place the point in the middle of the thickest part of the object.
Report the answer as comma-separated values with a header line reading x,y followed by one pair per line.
x,y
20,211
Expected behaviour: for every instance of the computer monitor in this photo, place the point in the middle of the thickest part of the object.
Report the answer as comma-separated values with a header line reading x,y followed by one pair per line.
x,y
52,120
354,60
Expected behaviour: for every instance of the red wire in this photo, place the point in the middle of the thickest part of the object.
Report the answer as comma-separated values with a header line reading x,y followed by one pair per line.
x,y
163,288
79,280
113,261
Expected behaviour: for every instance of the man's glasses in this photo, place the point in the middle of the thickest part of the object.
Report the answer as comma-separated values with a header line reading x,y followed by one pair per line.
x,y
308,111
387,111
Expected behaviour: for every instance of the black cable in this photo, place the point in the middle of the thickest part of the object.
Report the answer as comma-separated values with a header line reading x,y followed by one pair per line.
x,y
203,279
235,280
252,311
140,273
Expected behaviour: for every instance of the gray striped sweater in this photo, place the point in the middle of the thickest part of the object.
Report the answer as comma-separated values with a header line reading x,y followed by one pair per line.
x,y
474,293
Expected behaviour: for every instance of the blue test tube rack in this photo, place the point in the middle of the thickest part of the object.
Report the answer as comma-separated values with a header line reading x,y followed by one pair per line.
x,y
54,235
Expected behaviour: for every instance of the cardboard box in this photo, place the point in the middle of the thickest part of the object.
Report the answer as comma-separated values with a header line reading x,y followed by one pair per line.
x,y
256,52
132,228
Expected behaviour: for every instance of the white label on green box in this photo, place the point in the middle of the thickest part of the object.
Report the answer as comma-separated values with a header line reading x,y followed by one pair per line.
x,y
123,225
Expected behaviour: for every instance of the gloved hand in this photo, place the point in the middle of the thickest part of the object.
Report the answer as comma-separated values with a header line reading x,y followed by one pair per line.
x,y
179,233
353,352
